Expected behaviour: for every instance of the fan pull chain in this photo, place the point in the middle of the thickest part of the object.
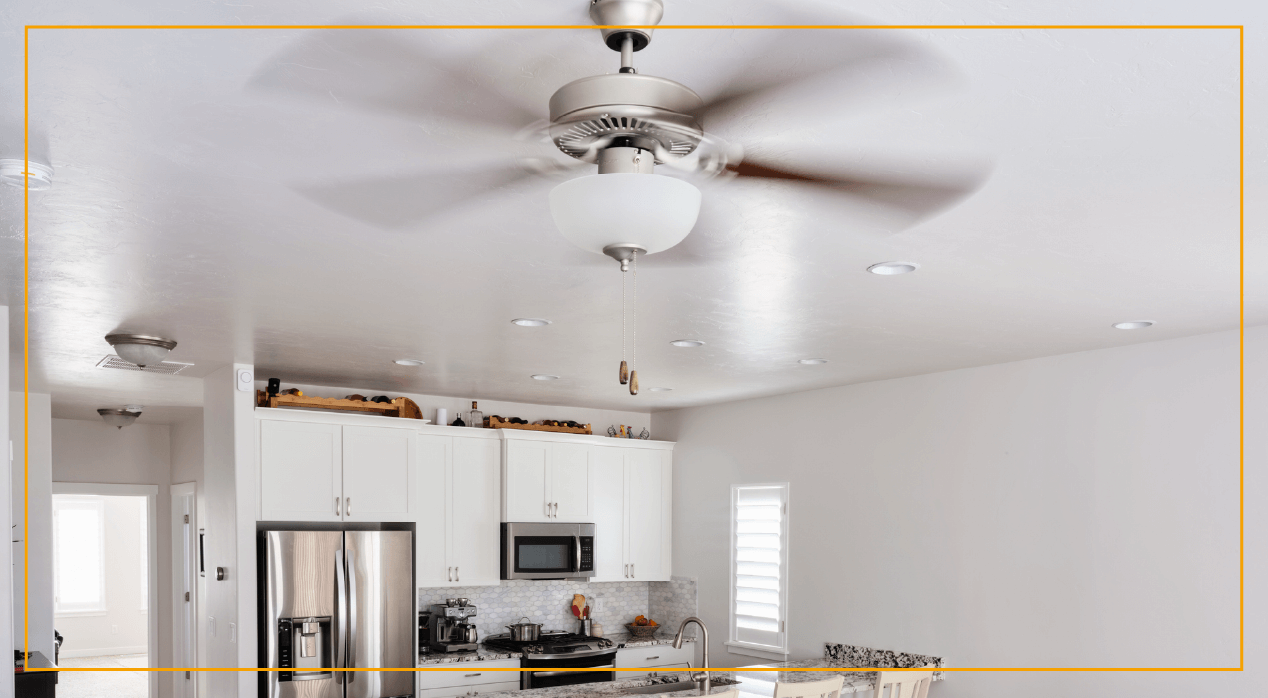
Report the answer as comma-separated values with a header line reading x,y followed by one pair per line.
x,y
625,369
634,331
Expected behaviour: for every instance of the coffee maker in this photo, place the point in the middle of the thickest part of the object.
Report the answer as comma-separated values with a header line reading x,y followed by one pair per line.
x,y
449,628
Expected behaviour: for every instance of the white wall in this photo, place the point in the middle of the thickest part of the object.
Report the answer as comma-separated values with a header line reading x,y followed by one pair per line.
x,y
39,493
1077,510
124,627
187,450
597,418
140,454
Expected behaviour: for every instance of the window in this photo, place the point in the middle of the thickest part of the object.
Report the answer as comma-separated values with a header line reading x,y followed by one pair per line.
x,y
78,559
759,570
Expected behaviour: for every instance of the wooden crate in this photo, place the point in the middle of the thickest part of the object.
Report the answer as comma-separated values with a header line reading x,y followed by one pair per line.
x,y
400,407
499,424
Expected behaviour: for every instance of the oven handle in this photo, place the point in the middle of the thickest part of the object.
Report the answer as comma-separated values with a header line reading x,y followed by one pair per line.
x,y
606,667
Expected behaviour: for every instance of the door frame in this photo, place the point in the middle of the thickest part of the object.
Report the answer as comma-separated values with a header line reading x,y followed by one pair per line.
x,y
180,566
150,492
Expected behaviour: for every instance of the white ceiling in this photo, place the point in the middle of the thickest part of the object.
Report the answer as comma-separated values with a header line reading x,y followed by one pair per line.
x,y
179,207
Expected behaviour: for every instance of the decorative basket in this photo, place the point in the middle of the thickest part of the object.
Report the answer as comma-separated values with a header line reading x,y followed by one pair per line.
x,y
642,632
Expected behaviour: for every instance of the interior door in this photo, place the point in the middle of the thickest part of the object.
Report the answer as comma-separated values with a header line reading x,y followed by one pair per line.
x,y
526,484
607,467
646,514
382,625
570,482
301,469
475,526
431,492
377,464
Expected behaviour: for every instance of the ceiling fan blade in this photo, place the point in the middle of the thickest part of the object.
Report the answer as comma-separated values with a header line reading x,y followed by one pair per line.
x,y
915,197
400,72
401,201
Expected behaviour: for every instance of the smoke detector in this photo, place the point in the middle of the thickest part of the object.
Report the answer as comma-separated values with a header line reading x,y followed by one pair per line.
x,y
18,173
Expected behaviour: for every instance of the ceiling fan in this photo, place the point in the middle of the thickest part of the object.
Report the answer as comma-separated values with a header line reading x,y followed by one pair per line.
x,y
625,124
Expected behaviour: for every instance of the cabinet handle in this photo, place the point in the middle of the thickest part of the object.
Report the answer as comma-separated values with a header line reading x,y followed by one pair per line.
x,y
471,675
651,658
633,571
457,576
548,510
450,574
336,506
347,506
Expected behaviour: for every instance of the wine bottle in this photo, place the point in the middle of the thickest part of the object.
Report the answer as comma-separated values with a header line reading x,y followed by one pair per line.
x,y
457,422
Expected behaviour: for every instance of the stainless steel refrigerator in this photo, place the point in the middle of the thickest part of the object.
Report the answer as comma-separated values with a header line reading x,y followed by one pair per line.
x,y
334,600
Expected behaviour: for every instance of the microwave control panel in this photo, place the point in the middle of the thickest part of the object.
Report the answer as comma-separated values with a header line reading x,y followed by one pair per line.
x,y
587,554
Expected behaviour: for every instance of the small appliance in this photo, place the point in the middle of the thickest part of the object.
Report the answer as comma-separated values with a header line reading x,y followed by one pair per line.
x,y
548,551
450,628
555,650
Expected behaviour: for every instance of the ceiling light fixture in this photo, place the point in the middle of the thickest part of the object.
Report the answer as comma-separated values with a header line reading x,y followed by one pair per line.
x,y
1134,325
408,362
140,349
687,343
892,268
812,362
530,322
118,418
35,176
544,377
660,390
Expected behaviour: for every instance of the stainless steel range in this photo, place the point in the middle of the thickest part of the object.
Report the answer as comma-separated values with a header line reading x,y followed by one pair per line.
x,y
560,650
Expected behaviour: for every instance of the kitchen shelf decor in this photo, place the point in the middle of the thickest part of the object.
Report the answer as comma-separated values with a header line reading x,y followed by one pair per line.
x,y
495,423
399,407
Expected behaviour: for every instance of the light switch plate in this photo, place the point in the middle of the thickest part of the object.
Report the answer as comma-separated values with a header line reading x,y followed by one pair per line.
x,y
246,380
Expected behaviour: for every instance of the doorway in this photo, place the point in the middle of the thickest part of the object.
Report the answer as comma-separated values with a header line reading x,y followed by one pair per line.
x,y
105,590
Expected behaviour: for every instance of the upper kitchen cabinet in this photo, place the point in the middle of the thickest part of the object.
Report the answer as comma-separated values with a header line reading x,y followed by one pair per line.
x,y
547,481
632,513
319,471
459,527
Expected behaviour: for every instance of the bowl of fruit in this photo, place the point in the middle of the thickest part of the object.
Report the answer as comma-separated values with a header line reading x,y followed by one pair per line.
x,y
642,628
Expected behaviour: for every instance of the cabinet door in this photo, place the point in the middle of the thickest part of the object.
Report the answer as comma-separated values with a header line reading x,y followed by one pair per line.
x,y
475,524
647,513
525,486
377,464
607,467
300,471
431,494
571,486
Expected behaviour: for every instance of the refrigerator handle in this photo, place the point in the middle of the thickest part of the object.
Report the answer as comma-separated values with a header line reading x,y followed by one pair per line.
x,y
341,622
352,614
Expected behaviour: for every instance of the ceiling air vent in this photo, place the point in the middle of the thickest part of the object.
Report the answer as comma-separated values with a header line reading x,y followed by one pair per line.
x,y
167,368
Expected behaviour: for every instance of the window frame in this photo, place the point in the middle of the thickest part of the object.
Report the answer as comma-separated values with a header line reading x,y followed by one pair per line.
x,y
752,649
96,503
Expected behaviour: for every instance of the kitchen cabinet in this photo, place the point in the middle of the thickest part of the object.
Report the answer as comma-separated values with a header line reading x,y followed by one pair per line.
x,y
632,514
458,525
547,481
476,679
321,472
656,659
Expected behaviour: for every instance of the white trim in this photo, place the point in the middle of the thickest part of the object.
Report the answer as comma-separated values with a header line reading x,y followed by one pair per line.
x,y
755,651
150,492
104,651
179,492
749,648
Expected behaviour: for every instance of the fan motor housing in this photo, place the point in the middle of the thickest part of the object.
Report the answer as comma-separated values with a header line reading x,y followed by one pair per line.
x,y
625,109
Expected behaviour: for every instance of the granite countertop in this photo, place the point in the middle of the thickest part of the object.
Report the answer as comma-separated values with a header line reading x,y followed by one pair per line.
x,y
612,689
485,654
761,684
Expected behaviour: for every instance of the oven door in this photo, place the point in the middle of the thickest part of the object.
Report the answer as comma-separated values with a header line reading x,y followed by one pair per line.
x,y
547,551
603,666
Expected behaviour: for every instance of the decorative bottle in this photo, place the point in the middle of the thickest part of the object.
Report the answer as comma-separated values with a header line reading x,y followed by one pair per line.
x,y
475,418
457,421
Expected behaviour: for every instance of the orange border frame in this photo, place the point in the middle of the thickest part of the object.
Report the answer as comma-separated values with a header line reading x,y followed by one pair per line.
x,y
1242,328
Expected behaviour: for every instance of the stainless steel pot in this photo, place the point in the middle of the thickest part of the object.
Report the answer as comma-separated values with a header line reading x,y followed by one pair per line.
x,y
525,632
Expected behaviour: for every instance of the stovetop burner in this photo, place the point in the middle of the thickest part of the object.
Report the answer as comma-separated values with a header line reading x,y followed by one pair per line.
x,y
555,642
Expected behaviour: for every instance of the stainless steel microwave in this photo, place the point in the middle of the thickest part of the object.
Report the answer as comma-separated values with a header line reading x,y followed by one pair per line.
x,y
547,550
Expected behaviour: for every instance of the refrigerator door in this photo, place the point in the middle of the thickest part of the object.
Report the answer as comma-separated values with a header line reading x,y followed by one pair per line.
x,y
299,589
382,626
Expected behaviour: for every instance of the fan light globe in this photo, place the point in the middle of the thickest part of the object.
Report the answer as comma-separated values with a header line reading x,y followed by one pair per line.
x,y
118,418
139,349
650,211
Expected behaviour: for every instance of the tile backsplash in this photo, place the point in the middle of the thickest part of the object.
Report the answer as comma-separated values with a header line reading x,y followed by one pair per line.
x,y
549,603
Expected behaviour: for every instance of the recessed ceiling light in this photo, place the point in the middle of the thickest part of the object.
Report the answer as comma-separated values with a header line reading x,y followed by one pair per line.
x,y
687,343
1133,325
530,321
892,268
544,377
408,362
812,362
659,390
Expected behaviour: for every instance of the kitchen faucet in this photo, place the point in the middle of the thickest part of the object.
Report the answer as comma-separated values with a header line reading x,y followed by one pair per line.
x,y
700,677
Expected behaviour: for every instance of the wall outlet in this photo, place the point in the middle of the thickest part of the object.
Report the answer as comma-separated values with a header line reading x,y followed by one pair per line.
x,y
598,605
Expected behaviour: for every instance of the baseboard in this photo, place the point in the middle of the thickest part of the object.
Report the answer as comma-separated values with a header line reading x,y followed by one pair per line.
x,y
104,651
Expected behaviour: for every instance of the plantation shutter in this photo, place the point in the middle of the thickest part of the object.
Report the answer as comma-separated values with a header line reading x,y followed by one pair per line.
x,y
761,562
